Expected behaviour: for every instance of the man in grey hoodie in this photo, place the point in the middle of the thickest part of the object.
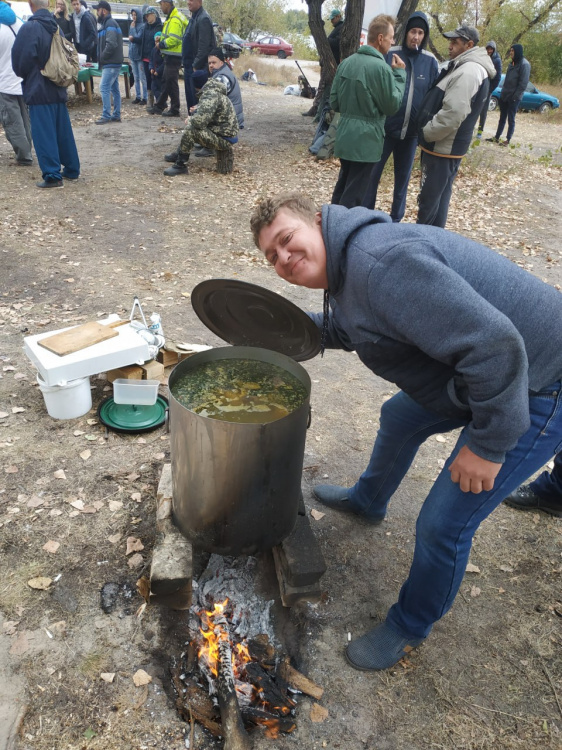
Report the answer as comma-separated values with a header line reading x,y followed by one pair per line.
x,y
446,121
473,342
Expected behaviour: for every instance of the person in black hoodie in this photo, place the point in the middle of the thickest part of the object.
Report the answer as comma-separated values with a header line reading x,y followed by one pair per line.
x,y
514,85
84,32
401,137
152,26
496,59
51,130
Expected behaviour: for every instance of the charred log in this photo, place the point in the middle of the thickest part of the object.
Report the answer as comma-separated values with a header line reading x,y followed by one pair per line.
x,y
270,692
260,717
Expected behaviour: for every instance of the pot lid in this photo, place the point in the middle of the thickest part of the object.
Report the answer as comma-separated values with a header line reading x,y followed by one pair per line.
x,y
246,314
131,418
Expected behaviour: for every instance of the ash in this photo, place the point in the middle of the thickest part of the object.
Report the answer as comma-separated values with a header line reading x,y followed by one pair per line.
x,y
233,578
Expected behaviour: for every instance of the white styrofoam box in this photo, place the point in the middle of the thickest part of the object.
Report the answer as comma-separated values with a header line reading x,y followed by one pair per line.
x,y
127,348
131,391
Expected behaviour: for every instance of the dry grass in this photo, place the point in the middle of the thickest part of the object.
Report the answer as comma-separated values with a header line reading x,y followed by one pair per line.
x,y
267,71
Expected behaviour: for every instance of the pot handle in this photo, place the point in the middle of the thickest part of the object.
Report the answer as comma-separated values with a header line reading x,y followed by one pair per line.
x,y
309,422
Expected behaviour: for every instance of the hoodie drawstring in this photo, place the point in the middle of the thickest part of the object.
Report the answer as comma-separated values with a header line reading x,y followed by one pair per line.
x,y
325,320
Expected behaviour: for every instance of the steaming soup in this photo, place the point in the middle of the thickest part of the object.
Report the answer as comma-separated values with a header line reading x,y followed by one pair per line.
x,y
240,390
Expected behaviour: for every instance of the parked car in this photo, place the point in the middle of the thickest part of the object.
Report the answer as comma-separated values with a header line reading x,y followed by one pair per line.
x,y
272,45
232,44
533,99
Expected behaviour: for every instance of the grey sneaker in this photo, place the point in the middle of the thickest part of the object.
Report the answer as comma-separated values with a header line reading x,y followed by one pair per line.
x,y
337,498
523,498
380,648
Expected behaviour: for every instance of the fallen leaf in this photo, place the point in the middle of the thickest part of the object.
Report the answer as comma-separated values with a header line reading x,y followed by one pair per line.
x,y
143,587
131,477
17,409
58,628
133,545
506,568
475,591
10,626
59,474
35,501
115,505
114,538
13,469
160,456
136,561
3,414
78,504
85,455
107,676
501,591
141,678
316,514
51,546
92,421
136,496
470,568
55,512
318,713
40,583
76,433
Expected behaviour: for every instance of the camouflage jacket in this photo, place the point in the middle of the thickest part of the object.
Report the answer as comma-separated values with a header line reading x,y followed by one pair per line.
x,y
215,110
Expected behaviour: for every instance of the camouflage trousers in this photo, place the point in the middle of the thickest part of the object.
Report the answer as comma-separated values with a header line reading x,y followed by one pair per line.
x,y
202,136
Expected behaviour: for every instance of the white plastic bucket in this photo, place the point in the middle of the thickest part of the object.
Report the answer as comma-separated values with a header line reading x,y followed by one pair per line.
x,y
74,399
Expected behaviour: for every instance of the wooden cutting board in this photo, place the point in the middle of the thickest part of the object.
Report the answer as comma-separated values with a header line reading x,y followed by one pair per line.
x,y
77,338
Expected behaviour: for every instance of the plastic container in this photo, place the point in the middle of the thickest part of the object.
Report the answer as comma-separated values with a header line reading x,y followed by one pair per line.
x,y
69,400
139,392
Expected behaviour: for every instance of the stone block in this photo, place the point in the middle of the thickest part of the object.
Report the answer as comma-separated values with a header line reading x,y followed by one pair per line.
x,y
290,595
300,555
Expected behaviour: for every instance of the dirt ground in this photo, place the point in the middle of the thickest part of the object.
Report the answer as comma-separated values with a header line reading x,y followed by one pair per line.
x,y
489,676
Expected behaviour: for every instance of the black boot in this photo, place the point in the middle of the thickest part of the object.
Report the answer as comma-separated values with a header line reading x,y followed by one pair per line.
x,y
311,112
172,158
180,166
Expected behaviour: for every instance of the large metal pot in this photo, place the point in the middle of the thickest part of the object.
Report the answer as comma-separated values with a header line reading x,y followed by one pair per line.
x,y
236,487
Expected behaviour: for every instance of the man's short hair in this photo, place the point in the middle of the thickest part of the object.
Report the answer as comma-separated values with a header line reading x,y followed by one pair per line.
x,y
41,3
379,25
267,210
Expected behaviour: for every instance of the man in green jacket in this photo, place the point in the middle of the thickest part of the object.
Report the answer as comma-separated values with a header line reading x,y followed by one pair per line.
x,y
365,90
170,46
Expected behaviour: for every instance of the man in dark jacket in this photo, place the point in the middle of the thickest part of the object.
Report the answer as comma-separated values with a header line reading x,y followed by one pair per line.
x,y
446,121
473,342
496,59
51,130
334,36
85,33
401,136
515,82
198,41
110,60
364,91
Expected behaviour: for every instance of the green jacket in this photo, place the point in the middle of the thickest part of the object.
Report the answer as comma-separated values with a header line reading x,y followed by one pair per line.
x,y
365,90
172,33
215,110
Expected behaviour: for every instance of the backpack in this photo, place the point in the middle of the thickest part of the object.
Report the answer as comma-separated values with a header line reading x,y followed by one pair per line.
x,y
62,67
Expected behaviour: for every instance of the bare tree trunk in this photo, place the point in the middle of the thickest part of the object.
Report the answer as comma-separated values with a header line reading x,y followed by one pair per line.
x,y
351,32
406,9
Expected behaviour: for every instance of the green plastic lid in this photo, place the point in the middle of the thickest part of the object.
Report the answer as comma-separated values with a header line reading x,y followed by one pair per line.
x,y
132,418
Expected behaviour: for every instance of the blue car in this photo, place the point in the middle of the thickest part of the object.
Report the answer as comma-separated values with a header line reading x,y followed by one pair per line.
x,y
533,99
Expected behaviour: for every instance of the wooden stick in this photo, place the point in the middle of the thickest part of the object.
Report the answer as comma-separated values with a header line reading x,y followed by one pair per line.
x,y
235,736
298,681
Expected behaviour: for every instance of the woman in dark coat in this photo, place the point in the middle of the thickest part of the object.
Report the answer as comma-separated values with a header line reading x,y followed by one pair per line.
x,y
63,19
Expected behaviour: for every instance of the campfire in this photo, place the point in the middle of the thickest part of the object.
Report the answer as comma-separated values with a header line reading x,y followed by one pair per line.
x,y
231,679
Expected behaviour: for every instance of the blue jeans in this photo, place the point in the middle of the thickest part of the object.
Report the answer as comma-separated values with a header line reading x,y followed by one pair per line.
x,y
137,67
53,139
449,517
549,484
508,110
404,152
109,87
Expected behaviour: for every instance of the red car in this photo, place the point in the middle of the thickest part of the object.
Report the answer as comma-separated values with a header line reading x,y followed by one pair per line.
x,y
272,45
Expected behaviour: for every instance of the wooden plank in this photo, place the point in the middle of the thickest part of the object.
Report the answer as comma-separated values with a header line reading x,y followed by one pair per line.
x,y
77,338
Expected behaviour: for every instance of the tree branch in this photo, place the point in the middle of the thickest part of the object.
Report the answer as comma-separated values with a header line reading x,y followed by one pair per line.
x,y
536,20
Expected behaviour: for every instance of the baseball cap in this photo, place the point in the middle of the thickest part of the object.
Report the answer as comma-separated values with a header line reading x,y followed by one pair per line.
x,y
102,4
468,33
335,13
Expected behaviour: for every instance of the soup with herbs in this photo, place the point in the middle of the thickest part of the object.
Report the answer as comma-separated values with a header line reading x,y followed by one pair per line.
x,y
240,390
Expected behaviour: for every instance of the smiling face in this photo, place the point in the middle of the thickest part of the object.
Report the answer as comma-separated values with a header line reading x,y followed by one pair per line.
x,y
414,38
296,249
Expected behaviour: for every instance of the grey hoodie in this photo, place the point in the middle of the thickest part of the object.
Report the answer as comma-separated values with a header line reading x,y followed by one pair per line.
x,y
462,330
